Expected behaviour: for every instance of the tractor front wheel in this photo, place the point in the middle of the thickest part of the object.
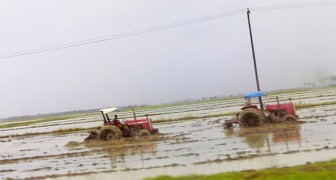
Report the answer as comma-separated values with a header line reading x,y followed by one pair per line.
x,y
289,119
144,133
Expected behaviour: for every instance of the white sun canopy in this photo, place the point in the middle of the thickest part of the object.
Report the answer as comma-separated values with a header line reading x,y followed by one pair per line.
x,y
107,110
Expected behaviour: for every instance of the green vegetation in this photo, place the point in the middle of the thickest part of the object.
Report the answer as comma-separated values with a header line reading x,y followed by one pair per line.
x,y
70,130
237,96
58,131
300,90
320,170
29,122
182,103
190,117
297,90
302,105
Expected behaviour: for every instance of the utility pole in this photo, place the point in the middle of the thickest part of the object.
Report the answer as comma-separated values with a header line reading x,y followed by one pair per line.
x,y
254,59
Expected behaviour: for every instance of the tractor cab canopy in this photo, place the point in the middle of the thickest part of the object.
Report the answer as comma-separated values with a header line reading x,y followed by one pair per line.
x,y
108,110
254,94
105,111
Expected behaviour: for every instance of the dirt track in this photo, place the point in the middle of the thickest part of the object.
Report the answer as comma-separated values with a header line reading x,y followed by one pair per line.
x,y
194,146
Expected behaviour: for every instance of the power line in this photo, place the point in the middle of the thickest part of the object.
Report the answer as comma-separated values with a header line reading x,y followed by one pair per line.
x,y
290,6
122,35
163,27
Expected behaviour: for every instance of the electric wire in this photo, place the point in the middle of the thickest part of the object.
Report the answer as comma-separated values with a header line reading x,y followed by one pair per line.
x,y
122,35
290,6
163,27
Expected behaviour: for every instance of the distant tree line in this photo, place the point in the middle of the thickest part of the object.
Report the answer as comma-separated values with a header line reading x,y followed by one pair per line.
x,y
40,116
328,80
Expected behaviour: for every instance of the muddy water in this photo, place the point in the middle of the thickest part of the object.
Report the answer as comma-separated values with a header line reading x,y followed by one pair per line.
x,y
184,147
278,160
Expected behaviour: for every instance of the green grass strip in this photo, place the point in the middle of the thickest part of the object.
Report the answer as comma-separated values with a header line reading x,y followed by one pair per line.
x,y
302,105
190,117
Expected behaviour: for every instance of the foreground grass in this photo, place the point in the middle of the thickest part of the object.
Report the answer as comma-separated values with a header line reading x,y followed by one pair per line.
x,y
320,170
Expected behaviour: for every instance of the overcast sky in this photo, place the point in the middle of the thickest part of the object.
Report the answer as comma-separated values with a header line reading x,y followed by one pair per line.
x,y
211,58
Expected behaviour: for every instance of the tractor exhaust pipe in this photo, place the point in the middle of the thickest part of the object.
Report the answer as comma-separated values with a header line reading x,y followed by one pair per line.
x,y
134,113
278,102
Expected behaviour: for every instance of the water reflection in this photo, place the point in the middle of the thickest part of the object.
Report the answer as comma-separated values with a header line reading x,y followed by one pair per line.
x,y
288,135
268,136
125,154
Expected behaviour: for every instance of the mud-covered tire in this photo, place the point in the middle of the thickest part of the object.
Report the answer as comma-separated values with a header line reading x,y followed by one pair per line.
x,y
272,119
251,118
143,133
109,132
289,119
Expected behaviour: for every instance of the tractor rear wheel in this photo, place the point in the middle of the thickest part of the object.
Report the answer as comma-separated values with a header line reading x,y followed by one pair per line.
x,y
251,117
144,133
109,132
289,119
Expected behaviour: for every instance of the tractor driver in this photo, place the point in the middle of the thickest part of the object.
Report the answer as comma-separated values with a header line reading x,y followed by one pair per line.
x,y
115,120
118,123
248,102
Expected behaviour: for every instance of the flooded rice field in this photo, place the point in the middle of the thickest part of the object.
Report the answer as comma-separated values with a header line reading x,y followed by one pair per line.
x,y
177,111
200,145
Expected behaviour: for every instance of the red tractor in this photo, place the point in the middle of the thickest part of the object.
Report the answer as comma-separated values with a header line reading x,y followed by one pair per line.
x,y
251,116
115,128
